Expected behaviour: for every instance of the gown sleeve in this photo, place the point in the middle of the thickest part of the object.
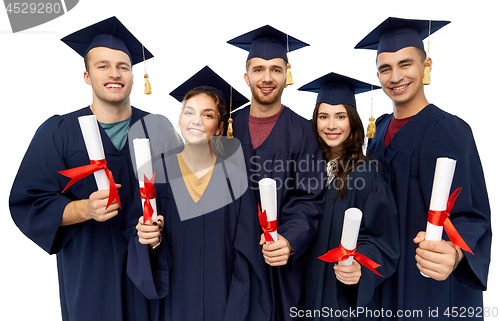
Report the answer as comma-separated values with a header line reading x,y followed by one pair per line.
x,y
451,137
36,200
378,240
300,215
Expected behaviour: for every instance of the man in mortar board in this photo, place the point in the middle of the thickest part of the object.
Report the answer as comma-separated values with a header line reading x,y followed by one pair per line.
x,y
280,144
407,144
89,237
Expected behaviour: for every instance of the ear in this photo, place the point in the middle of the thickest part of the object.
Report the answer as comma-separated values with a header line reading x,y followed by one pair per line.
x,y
247,79
86,77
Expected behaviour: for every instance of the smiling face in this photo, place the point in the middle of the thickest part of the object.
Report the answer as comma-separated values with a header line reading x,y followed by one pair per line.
x,y
400,74
266,79
110,75
199,119
333,127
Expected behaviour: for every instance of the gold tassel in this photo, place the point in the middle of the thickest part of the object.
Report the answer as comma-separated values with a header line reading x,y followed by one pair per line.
x,y
370,131
289,79
230,128
230,120
147,87
426,79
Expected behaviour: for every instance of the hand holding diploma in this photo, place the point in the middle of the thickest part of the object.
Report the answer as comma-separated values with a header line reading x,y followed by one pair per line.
x,y
346,251
150,234
438,257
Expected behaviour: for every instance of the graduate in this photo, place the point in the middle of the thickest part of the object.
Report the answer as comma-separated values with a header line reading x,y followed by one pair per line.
x,y
352,181
407,144
279,144
89,238
204,262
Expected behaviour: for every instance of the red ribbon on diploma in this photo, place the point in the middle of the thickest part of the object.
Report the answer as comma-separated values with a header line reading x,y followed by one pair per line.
x,y
147,193
78,173
341,254
442,218
267,226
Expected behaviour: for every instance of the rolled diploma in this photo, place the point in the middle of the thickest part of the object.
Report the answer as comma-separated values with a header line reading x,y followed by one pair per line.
x,y
350,231
93,143
443,177
144,166
268,199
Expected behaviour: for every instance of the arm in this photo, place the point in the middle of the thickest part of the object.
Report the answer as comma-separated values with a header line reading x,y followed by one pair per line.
x,y
452,137
300,216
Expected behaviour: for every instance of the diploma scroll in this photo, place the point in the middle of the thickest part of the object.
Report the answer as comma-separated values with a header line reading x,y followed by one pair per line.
x,y
346,251
98,165
145,175
441,186
268,199
350,231
93,143
443,177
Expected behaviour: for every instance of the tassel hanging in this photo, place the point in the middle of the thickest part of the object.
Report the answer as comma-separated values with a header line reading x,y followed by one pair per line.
x,y
147,85
230,120
370,131
426,79
230,128
289,79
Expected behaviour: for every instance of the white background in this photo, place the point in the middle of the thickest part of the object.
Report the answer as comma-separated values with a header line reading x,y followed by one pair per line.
x,y
41,76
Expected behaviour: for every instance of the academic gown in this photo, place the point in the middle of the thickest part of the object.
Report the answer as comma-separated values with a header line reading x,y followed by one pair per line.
x,y
91,255
408,165
209,265
326,298
291,156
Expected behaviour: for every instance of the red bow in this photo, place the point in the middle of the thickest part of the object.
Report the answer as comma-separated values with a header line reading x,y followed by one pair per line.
x,y
147,193
442,218
267,226
341,254
78,173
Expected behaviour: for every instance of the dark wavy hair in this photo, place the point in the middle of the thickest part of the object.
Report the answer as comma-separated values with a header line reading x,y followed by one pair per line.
x,y
352,148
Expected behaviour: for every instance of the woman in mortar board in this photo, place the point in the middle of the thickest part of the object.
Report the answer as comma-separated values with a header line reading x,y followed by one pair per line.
x,y
352,181
205,264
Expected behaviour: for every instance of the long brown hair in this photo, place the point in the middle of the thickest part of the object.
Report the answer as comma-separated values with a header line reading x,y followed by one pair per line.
x,y
352,148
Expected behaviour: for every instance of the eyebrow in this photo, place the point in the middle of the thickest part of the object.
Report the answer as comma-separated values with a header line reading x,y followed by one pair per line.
x,y
271,67
403,61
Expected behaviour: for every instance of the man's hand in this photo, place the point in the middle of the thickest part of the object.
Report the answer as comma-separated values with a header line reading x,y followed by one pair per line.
x,y
96,206
348,274
93,208
436,259
276,253
148,233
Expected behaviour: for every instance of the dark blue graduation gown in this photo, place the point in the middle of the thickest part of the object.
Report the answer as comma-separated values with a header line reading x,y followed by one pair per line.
x,y
91,256
325,296
290,155
209,266
408,165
